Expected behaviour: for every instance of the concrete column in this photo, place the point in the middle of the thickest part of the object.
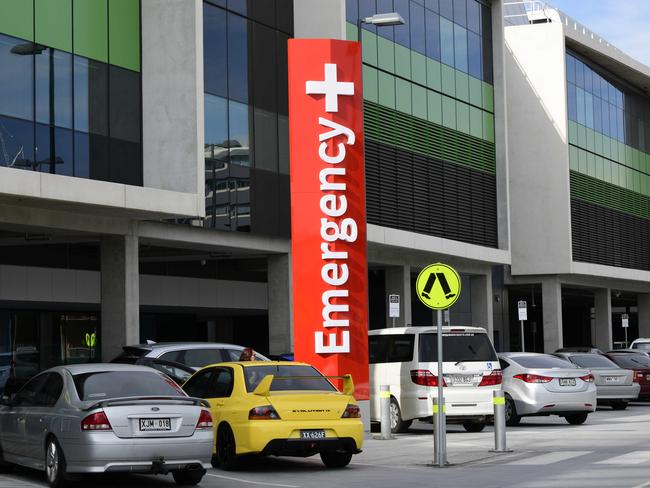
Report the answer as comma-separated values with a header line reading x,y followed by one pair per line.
x,y
280,304
552,313
319,19
398,281
120,294
603,322
481,303
643,307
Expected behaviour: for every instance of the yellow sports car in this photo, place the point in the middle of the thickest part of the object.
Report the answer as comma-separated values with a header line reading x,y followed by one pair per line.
x,y
278,408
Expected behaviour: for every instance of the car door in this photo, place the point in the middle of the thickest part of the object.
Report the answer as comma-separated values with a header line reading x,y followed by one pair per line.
x,y
42,416
14,420
220,396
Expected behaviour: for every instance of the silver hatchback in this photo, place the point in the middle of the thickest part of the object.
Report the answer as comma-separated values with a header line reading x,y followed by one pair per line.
x,y
97,418
541,384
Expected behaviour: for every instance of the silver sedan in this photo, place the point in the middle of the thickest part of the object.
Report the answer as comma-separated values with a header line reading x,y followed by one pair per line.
x,y
96,418
616,386
541,384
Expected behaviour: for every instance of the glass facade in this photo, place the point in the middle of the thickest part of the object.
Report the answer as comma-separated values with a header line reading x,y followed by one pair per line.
x,y
66,114
609,127
437,66
246,115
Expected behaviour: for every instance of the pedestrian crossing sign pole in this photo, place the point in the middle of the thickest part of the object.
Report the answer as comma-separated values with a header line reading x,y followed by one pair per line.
x,y
438,287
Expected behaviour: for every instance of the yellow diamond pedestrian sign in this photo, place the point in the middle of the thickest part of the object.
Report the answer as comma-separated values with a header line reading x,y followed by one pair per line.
x,y
438,286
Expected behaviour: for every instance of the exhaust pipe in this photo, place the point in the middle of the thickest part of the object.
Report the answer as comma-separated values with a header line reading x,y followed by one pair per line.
x,y
158,466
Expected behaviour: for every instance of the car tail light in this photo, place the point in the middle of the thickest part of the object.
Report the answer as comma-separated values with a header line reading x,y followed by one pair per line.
x,y
205,420
492,379
588,378
267,412
425,377
96,421
638,376
533,378
351,412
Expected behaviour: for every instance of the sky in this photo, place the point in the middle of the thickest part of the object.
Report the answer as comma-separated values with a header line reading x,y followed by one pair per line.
x,y
624,23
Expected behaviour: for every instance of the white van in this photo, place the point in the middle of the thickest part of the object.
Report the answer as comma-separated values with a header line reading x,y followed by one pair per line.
x,y
405,358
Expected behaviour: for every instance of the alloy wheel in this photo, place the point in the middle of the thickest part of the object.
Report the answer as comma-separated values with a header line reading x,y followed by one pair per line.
x,y
52,462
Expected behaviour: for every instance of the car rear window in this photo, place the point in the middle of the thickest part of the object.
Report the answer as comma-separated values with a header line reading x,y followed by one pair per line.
x,y
592,361
391,348
130,355
644,346
104,385
457,347
287,378
631,361
542,362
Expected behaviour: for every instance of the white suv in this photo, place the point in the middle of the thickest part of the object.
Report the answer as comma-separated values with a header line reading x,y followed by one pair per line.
x,y
405,358
642,344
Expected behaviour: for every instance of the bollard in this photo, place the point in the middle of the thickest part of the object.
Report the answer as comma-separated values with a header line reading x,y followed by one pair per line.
x,y
439,434
384,407
499,402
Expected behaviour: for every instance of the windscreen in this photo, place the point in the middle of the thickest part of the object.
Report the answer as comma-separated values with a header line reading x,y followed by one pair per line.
x,y
287,378
105,385
592,361
457,347
632,361
542,362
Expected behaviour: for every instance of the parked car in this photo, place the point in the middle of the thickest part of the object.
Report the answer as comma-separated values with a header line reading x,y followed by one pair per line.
x,y
96,418
615,386
541,384
639,364
405,359
642,344
586,349
280,409
193,354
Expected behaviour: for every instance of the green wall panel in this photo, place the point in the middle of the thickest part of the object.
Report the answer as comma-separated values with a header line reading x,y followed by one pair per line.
x,y
124,33
53,23
17,18
418,68
370,84
90,22
385,55
403,96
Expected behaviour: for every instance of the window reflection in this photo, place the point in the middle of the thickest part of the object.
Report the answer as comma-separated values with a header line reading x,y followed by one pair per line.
x,y
16,143
16,78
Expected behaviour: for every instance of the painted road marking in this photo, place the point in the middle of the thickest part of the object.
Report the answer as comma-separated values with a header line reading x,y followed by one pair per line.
x,y
548,458
251,481
636,457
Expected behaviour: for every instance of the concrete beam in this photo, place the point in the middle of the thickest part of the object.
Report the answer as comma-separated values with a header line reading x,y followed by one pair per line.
x,y
603,324
552,314
319,19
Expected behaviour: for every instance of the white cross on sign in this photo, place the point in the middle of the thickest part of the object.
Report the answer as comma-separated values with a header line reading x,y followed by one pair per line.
x,y
331,88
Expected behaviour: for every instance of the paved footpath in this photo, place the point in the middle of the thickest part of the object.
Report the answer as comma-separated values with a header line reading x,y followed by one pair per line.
x,y
612,450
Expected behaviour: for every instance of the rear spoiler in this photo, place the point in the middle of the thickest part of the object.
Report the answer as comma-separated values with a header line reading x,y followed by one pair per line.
x,y
166,400
264,386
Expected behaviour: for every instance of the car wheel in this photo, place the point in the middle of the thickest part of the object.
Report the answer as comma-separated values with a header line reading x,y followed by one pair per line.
x,y
474,426
54,464
397,424
226,455
622,405
334,459
188,477
512,418
577,418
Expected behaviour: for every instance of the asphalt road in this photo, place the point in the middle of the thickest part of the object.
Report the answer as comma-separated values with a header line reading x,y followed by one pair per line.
x,y
612,450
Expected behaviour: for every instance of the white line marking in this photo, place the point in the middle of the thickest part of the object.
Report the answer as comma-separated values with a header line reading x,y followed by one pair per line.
x,y
636,457
549,458
252,482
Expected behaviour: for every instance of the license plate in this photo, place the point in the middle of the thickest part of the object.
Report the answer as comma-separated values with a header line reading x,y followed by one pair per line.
x,y
611,379
567,382
155,424
647,377
312,434
462,380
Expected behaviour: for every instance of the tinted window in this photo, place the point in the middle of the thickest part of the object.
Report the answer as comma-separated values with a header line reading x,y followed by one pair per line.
x,y
504,364
287,378
457,347
197,358
631,361
28,394
130,355
16,78
118,384
391,348
542,362
199,384
592,361
51,391
222,386
644,346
